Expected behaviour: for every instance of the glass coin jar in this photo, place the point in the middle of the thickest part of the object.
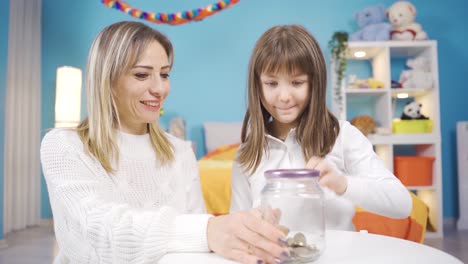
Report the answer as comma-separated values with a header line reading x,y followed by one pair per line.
x,y
293,201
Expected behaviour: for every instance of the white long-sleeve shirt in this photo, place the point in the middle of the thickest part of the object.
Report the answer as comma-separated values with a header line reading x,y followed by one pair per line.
x,y
135,215
370,184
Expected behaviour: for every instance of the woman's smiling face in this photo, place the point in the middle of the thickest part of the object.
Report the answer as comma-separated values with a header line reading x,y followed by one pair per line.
x,y
141,92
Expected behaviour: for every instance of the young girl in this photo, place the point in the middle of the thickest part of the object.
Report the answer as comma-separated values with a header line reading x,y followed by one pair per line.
x,y
287,125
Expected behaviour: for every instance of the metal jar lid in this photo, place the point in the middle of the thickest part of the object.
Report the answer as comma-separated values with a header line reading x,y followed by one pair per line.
x,y
291,173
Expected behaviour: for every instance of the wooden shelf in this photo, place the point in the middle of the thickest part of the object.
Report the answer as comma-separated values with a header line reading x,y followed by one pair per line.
x,y
410,91
398,49
403,139
369,91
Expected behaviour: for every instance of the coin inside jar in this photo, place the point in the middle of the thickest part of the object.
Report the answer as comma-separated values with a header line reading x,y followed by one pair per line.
x,y
300,250
306,252
299,240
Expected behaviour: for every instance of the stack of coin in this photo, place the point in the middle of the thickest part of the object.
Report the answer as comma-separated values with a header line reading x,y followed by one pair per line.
x,y
300,251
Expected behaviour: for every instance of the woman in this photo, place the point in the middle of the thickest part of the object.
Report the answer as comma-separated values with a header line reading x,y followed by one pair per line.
x,y
121,189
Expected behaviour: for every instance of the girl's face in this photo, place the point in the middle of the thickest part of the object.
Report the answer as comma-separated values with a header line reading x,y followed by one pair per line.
x,y
141,91
285,97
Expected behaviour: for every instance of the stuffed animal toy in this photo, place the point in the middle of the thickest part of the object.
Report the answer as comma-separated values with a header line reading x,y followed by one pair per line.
x,y
364,123
396,84
412,111
419,76
372,26
355,83
374,83
177,127
401,14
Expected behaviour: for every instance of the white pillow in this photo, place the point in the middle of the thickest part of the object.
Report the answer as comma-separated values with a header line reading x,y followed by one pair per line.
x,y
218,134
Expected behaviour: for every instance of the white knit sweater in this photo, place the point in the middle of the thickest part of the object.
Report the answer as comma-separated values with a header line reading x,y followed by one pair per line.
x,y
136,215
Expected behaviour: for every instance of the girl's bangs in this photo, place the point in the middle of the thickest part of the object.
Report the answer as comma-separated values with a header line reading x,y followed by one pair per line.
x,y
291,61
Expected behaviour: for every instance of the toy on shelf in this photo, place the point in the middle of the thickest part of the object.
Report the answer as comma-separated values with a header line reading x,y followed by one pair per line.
x,y
412,121
419,76
371,83
177,127
364,123
373,27
355,83
396,84
402,14
374,83
412,111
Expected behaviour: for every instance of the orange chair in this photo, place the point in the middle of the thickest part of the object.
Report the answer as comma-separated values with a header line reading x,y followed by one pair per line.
x,y
411,228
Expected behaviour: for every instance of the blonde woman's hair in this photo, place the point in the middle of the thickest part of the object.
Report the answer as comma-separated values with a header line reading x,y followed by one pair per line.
x,y
289,49
115,51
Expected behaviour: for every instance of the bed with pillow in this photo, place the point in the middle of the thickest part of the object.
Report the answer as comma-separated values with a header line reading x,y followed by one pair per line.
x,y
222,139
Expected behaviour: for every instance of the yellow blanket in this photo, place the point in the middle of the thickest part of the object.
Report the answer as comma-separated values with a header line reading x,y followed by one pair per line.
x,y
215,176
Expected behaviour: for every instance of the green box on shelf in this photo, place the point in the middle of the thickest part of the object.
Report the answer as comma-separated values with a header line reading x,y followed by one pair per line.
x,y
412,126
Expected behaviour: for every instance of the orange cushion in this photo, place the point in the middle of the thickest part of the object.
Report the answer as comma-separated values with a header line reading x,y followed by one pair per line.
x,y
226,152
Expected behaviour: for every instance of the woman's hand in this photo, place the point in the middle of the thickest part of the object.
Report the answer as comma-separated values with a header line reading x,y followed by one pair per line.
x,y
330,177
245,237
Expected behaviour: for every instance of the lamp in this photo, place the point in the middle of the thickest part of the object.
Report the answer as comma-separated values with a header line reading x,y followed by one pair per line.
x,y
402,95
68,97
359,54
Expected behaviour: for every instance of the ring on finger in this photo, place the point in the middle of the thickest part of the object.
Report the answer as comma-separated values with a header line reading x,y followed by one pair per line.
x,y
250,249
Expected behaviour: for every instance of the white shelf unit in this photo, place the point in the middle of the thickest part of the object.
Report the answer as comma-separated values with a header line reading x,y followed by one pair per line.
x,y
381,58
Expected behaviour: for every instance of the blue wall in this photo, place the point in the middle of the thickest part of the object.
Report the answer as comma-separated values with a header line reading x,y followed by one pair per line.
x,y
4,17
209,75
447,23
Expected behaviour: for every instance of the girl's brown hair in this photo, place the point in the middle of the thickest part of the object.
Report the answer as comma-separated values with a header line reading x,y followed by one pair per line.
x,y
290,49
115,50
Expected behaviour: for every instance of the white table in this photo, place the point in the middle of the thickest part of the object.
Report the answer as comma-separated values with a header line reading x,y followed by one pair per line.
x,y
347,247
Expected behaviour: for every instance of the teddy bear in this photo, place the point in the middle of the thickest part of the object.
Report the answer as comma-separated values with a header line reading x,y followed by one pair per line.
x,y
419,76
412,111
365,123
402,14
372,26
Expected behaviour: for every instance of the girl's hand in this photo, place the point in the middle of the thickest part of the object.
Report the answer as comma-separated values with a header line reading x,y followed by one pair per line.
x,y
245,237
330,177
